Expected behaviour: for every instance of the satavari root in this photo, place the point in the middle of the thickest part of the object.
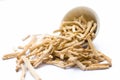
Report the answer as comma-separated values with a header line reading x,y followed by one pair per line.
x,y
71,47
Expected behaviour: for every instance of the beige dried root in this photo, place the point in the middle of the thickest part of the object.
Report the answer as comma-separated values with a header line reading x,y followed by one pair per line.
x,y
23,72
71,47
30,68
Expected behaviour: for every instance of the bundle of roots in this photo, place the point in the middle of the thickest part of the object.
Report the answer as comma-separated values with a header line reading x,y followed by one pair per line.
x,y
71,47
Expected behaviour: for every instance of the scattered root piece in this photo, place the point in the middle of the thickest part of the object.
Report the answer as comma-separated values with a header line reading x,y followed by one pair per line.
x,y
25,38
30,68
9,56
23,72
98,66
80,65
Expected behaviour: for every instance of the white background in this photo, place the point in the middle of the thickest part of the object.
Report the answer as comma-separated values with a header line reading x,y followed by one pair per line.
x,y
21,17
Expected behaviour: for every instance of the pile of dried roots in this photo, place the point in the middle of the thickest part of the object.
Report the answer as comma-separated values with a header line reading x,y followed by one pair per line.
x,y
72,47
